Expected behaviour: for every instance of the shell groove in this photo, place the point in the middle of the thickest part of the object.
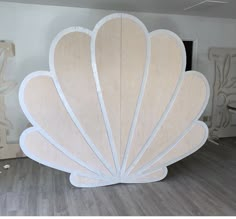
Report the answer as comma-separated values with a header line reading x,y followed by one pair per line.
x,y
116,105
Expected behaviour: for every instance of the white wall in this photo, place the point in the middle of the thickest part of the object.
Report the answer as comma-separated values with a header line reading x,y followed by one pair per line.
x,y
32,28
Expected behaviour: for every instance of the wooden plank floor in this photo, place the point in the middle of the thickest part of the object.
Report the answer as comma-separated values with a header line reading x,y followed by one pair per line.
x,y
202,184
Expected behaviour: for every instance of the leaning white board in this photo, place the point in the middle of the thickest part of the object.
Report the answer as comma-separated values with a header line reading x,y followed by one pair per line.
x,y
116,105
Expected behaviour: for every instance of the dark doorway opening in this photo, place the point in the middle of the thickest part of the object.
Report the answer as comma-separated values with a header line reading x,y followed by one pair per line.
x,y
189,54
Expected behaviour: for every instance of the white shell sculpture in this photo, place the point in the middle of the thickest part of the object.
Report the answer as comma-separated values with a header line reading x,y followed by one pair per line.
x,y
116,106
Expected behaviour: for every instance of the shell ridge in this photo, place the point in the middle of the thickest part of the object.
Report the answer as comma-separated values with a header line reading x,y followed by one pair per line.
x,y
33,156
204,139
99,92
44,162
39,128
170,104
79,126
197,147
195,118
141,93
58,37
167,149
157,127
64,100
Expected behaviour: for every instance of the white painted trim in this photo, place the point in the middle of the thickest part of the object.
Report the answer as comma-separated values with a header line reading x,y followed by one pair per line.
x,y
99,91
37,126
38,159
204,139
63,98
194,121
164,116
169,148
170,104
140,98
24,148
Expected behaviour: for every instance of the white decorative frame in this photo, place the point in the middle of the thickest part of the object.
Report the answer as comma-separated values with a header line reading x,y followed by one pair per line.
x,y
7,150
122,172
222,124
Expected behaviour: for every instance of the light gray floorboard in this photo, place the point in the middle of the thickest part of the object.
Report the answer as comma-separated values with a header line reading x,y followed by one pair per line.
x,y
202,184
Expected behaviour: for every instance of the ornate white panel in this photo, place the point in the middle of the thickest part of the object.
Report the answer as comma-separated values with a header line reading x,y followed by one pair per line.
x,y
223,122
7,150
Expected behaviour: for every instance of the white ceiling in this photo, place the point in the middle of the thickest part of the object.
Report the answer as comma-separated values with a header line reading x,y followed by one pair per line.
x,y
155,6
